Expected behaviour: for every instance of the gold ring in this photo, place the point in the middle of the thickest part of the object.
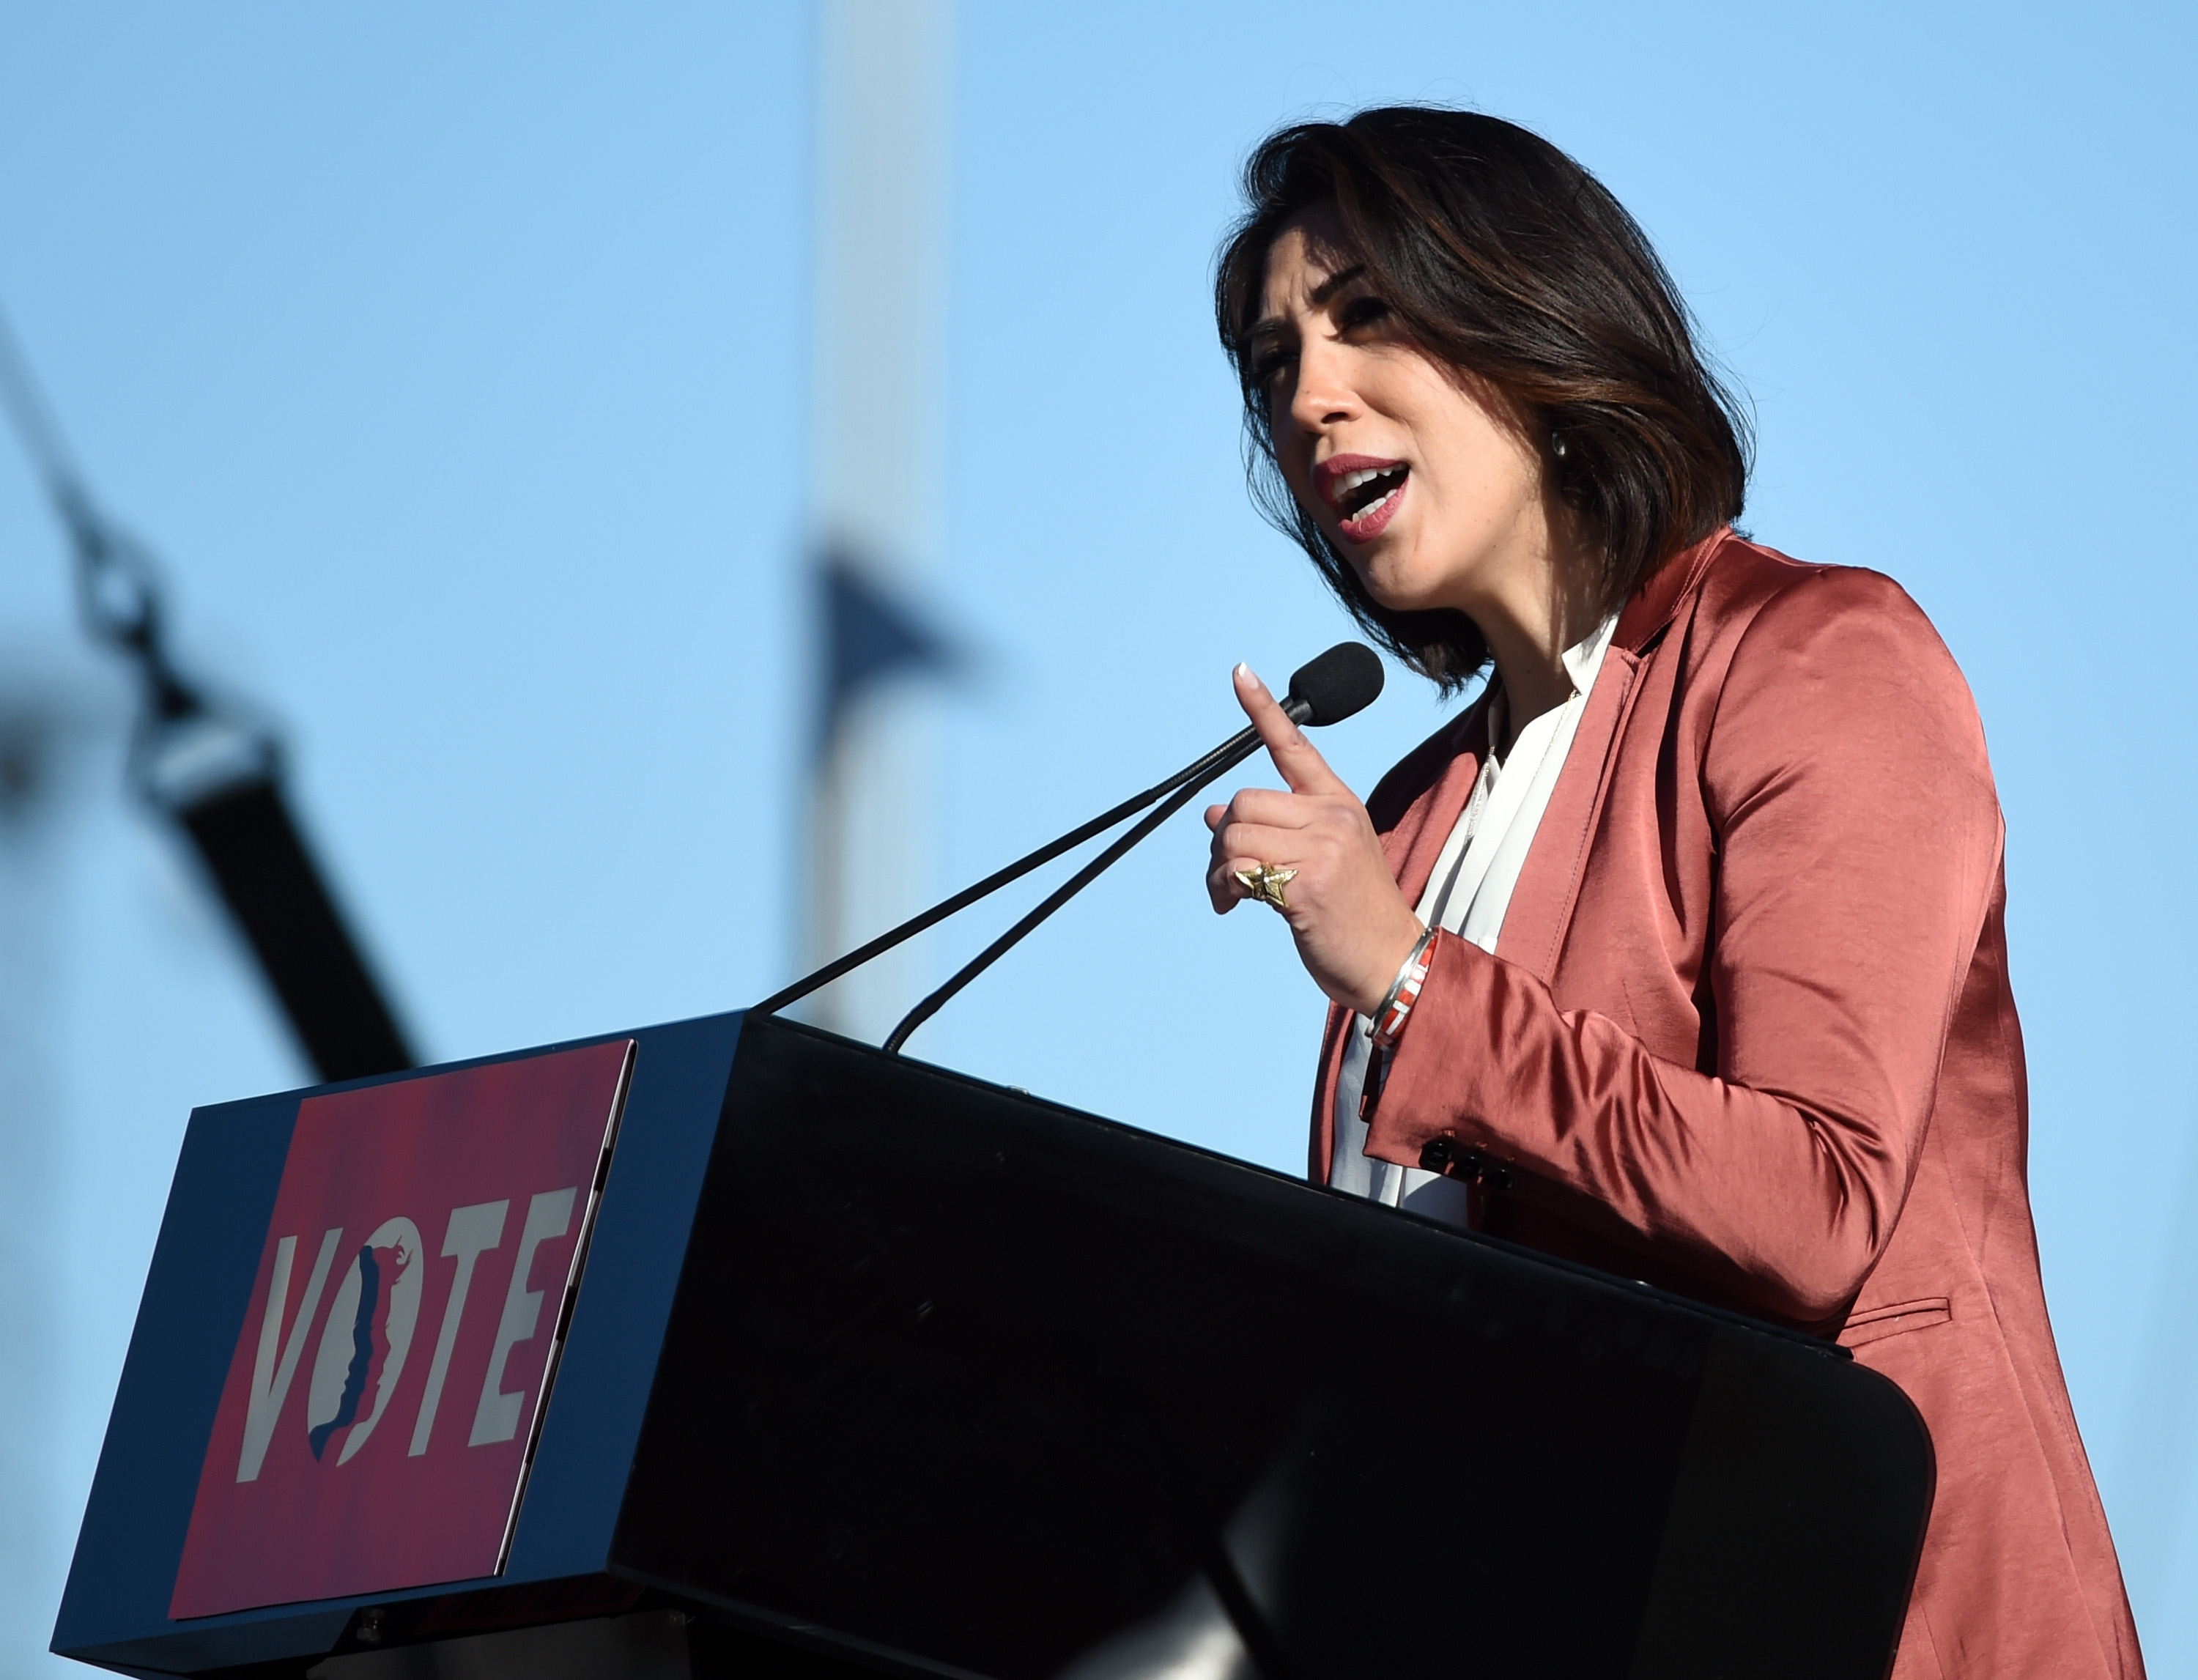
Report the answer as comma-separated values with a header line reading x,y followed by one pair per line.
x,y
1267,883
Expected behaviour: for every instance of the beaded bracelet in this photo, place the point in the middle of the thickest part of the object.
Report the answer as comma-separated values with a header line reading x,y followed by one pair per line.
x,y
1389,1021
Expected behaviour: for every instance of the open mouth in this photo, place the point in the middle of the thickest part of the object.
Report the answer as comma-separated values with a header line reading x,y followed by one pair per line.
x,y
1364,492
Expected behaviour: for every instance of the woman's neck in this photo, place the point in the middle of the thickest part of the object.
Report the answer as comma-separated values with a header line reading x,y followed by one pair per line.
x,y
1529,626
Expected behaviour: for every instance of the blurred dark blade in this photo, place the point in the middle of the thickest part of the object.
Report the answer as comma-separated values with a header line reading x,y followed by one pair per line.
x,y
237,818
252,848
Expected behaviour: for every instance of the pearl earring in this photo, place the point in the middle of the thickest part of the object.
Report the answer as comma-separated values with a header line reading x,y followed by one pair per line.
x,y
1557,445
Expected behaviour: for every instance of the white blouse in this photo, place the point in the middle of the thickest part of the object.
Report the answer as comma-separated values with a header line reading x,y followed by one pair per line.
x,y
1468,894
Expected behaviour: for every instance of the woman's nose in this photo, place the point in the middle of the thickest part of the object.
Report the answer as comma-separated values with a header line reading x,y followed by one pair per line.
x,y
1322,397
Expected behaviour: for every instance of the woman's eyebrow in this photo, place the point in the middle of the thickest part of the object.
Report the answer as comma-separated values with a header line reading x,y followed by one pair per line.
x,y
1335,283
1273,326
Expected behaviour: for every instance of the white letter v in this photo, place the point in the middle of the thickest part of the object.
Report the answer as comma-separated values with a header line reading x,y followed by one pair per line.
x,y
271,1386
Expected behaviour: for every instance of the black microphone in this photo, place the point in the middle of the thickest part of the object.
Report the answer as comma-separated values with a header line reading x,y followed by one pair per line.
x,y
1345,680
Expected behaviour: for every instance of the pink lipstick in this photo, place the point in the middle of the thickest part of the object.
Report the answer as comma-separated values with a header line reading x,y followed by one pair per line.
x,y
1364,490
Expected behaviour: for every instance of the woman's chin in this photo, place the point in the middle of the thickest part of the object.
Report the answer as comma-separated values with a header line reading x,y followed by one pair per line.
x,y
1396,585
1392,598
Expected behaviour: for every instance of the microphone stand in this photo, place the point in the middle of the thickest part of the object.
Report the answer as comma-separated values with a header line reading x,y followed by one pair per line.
x,y
1234,752
1183,785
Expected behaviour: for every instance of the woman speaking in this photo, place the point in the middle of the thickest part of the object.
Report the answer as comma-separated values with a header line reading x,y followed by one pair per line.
x,y
1680,952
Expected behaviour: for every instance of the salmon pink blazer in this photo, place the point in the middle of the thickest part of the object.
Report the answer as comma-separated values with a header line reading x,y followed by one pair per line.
x,y
1750,1038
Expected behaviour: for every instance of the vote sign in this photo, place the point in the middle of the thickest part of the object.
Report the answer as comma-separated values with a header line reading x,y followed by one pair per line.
x,y
397,1350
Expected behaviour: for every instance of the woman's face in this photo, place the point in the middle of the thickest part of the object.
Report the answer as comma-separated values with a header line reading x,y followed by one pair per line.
x,y
1420,476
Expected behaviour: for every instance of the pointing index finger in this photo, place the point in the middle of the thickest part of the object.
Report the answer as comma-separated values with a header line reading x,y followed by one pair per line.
x,y
1297,759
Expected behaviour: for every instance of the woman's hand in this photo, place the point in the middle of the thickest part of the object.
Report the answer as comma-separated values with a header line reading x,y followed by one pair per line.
x,y
1353,929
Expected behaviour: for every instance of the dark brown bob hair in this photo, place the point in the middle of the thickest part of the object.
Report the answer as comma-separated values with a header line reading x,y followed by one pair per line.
x,y
1502,256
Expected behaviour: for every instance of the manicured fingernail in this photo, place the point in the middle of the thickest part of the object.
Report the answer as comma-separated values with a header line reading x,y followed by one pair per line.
x,y
1244,670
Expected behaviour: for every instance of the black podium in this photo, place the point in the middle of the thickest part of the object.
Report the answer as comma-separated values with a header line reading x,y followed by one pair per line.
x,y
866,1367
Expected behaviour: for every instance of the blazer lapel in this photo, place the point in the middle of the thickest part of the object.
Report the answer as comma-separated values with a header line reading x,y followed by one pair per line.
x,y
1413,846
1541,907
1549,885
1541,902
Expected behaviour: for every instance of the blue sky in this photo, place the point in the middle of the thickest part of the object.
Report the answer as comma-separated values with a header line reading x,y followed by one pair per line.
x,y
455,363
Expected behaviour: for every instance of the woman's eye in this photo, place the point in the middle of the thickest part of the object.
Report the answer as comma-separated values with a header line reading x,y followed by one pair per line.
x,y
1269,366
1361,312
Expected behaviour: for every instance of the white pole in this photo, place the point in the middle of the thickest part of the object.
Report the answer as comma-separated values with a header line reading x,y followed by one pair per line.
x,y
884,80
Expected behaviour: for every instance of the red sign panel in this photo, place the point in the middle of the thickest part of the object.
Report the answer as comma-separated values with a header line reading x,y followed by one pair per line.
x,y
383,1400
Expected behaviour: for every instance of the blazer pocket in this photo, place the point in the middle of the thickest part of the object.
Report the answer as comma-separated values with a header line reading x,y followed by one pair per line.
x,y
1877,1322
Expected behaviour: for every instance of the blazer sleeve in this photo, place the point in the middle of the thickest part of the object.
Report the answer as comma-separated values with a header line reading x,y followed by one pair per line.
x,y
1857,842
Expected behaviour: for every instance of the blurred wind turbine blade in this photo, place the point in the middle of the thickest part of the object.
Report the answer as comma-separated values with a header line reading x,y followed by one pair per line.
x,y
215,773
32,417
